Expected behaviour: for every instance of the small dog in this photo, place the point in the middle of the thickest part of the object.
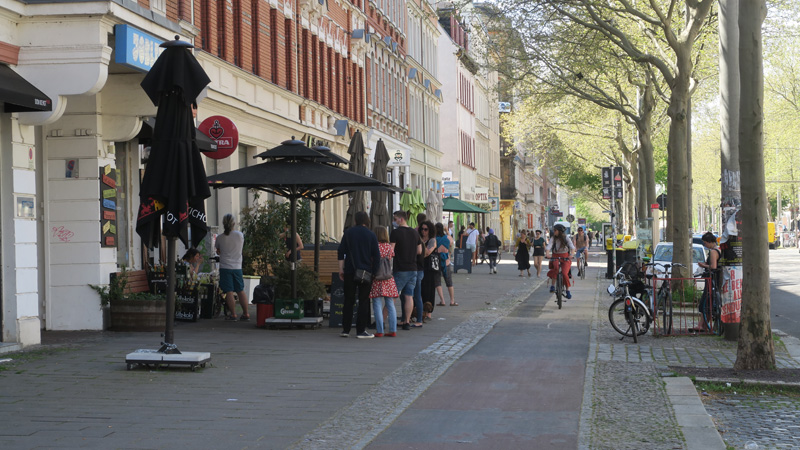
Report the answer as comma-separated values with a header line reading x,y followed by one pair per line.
x,y
427,308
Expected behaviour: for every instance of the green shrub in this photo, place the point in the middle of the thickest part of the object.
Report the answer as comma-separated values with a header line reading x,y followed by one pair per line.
x,y
308,286
262,225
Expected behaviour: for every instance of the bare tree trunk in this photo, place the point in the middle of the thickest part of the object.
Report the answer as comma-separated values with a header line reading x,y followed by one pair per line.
x,y
634,193
678,189
755,349
645,128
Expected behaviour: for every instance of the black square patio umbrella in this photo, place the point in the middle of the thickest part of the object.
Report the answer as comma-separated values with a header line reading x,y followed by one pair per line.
x,y
379,212
312,177
174,185
357,165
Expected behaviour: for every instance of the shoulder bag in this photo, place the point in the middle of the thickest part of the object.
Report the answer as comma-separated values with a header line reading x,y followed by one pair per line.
x,y
362,276
432,261
384,269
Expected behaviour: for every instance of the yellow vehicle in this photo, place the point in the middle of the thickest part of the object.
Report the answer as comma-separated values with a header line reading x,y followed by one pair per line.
x,y
771,235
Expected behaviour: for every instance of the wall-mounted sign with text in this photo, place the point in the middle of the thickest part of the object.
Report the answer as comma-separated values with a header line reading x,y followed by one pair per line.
x,y
450,188
135,48
481,195
398,158
224,132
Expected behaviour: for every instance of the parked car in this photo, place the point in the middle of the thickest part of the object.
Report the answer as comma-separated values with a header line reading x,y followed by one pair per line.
x,y
663,255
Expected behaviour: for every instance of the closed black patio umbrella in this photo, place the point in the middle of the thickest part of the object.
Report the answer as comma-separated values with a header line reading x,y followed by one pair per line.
x,y
379,212
174,184
357,165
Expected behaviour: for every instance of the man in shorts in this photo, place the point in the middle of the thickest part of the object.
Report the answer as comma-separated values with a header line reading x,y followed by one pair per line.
x,y
406,244
472,242
581,244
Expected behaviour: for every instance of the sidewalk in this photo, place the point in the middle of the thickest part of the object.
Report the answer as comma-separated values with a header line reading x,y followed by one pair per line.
x,y
263,388
506,369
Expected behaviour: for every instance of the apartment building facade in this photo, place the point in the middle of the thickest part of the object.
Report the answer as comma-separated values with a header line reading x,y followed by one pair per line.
x,y
278,68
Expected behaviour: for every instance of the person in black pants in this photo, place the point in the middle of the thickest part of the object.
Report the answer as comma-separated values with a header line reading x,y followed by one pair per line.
x,y
358,250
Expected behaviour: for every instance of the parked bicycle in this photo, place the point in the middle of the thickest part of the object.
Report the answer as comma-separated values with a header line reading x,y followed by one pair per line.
x,y
664,295
712,314
629,316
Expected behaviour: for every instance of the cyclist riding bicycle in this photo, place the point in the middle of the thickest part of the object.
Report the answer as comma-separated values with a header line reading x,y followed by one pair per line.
x,y
560,246
582,244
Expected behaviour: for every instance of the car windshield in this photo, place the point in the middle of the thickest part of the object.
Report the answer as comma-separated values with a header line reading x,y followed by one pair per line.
x,y
664,253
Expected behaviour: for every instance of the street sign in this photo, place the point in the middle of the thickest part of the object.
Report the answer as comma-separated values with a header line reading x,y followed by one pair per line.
x,y
617,182
655,206
662,202
606,183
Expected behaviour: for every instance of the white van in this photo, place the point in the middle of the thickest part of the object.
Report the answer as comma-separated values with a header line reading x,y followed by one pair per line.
x,y
566,225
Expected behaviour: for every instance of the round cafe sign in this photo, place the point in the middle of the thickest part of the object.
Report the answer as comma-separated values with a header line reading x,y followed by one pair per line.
x,y
223,131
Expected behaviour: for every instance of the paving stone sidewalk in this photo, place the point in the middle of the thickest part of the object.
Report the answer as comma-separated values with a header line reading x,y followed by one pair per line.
x,y
626,378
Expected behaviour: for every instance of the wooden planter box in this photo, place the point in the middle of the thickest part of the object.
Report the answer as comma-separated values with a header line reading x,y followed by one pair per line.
x,y
138,315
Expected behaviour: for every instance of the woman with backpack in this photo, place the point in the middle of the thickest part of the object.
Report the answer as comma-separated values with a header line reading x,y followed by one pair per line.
x,y
384,290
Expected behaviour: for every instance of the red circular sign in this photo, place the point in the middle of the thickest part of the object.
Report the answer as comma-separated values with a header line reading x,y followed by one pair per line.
x,y
224,132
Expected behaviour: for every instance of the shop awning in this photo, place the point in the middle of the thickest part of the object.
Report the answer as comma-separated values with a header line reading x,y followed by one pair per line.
x,y
18,95
453,204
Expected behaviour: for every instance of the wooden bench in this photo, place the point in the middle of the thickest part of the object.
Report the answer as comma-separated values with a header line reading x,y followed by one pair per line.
x,y
137,281
328,264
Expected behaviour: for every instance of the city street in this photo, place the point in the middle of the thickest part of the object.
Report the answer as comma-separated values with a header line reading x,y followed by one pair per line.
x,y
506,369
785,290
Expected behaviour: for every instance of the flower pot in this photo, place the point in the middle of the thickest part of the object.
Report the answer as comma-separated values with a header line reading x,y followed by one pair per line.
x,y
138,315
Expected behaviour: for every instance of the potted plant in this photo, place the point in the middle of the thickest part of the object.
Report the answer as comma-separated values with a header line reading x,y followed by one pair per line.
x,y
131,311
309,288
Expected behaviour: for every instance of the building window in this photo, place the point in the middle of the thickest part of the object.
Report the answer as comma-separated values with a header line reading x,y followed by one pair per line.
x,y
273,54
287,30
159,6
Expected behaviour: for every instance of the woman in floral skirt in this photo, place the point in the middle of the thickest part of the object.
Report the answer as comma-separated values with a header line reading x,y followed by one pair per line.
x,y
384,292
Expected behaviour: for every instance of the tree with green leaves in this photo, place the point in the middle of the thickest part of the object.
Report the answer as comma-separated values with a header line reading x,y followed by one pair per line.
x,y
662,35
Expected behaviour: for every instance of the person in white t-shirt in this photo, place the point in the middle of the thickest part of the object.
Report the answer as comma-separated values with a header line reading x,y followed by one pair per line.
x,y
472,242
229,248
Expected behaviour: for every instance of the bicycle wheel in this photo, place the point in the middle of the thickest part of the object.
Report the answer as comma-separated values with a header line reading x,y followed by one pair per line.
x,y
618,318
582,269
716,310
630,316
559,289
642,319
664,307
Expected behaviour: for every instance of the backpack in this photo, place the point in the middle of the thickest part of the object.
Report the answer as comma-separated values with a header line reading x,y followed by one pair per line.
x,y
384,269
492,242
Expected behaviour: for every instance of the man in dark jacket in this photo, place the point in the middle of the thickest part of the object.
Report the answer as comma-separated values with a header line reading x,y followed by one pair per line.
x,y
357,251
492,244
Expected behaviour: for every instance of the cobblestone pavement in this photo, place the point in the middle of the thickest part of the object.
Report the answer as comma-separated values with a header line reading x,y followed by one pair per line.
x,y
630,409
626,380
769,421
625,402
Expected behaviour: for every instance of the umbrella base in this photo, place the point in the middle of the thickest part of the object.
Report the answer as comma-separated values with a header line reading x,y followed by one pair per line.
x,y
155,359
312,322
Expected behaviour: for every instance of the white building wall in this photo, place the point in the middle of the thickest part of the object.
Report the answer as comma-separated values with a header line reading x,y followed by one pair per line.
x,y
19,240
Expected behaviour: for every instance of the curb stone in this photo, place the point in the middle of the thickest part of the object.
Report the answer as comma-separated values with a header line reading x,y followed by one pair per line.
x,y
696,425
585,426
